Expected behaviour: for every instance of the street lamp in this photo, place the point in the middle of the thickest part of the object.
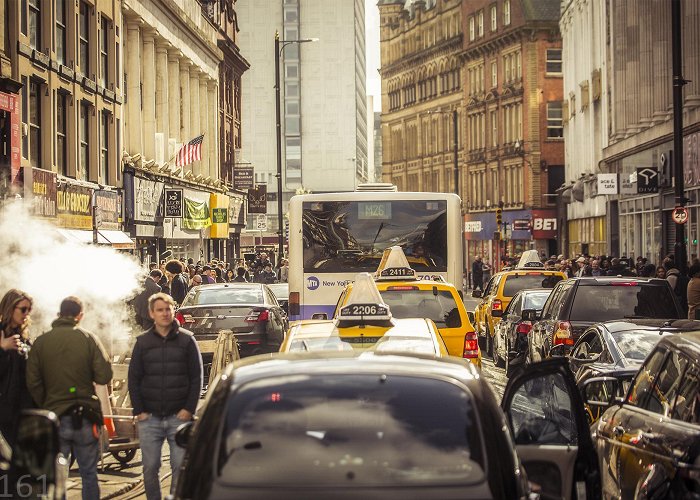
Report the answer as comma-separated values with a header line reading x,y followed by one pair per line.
x,y
279,47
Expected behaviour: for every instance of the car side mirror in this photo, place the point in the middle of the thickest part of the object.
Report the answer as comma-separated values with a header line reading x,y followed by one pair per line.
x,y
319,316
183,433
37,455
601,392
530,315
476,294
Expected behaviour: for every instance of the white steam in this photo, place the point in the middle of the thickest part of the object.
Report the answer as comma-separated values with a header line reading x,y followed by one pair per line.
x,y
40,262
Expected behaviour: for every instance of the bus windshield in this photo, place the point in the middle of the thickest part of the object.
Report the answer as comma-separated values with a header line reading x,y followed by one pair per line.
x,y
350,236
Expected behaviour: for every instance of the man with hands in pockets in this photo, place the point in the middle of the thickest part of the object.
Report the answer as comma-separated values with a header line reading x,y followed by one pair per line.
x,y
165,381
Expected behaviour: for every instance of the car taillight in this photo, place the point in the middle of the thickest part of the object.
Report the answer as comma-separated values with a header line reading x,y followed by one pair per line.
x,y
524,328
497,305
402,288
257,316
471,345
184,319
293,305
562,335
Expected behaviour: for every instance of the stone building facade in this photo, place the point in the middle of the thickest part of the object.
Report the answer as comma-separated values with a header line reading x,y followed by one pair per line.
x,y
421,42
514,132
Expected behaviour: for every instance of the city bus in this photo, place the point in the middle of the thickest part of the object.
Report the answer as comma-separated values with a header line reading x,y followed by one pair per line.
x,y
334,236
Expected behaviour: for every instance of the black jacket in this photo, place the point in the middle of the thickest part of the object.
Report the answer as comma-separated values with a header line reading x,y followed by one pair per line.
x,y
165,373
150,287
14,395
178,288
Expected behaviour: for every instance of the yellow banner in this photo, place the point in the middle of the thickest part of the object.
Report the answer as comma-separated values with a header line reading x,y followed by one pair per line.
x,y
219,206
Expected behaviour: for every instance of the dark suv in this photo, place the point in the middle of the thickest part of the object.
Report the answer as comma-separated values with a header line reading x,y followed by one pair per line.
x,y
577,303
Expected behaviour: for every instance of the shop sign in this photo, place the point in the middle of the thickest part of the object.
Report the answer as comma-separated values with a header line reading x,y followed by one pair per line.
x,y
10,103
607,184
472,226
257,200
219,204
544,224
628,183
148,197
74,207
236,211
107,203
243,178
196,214
173,203
647,180
44,193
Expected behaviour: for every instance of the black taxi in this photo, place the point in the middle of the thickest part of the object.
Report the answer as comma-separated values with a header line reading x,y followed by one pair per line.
x,y
377,425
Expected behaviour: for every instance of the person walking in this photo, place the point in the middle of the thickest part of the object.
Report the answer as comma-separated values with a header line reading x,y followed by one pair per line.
x,y
15,308
177,282
240,276
63,366
140,302
165,381
267,276
477,273
284,271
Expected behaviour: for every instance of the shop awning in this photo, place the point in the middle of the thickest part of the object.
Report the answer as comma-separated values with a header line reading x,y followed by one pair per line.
x,y
116,239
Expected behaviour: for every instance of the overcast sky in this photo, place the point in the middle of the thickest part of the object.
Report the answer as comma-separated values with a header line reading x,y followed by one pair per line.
x,y
374,86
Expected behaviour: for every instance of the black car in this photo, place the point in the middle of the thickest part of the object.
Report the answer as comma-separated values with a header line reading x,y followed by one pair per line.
x,y
650,442
250,310
577,303
281,291
617,349
351,426
511,332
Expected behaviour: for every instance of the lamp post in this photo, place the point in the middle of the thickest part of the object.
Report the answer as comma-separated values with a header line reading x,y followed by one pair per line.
x,y
279,47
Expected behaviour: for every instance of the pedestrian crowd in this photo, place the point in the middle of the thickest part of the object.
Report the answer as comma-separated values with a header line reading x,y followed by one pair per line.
x,y
686,286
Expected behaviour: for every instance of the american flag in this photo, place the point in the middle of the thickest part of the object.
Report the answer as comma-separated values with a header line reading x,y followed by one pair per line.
x,y
190,152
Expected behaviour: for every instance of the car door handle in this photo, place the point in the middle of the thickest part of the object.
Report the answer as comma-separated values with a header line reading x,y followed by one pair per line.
x,y
618,430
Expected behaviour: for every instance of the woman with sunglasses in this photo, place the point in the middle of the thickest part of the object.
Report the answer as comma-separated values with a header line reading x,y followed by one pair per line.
x,y
15,307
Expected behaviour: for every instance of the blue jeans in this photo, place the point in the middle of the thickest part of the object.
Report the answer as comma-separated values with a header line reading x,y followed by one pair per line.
x,y
86,449
152,432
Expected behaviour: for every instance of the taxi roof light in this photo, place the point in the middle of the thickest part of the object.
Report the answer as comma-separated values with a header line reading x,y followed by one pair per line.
x,y
394,264
529,259
364,302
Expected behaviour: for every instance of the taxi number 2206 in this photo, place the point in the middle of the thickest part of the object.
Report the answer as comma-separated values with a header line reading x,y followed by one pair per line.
x,y
364,310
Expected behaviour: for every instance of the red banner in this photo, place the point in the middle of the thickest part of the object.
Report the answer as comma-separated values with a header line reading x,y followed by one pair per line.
x,y
544,224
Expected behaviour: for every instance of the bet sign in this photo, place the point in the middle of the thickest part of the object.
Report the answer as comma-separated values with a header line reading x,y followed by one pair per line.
x,y
542,224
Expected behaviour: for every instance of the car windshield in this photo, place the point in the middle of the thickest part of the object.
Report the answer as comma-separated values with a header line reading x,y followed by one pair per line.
x,y
441,308
242,295
535,300
516,282
608,302
350,431
636,345
281,290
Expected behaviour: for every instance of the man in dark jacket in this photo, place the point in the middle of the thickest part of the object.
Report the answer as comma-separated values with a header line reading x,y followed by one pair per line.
x,y
63,366
240,275
267,275
165,381
178,283
477,273
150,287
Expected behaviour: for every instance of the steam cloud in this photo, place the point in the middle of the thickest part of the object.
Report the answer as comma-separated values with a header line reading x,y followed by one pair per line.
x,y
40,262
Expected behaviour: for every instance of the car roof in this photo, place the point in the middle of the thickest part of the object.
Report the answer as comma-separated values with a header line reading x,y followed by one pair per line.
x,y
605,280
229,285
668,325
689,343
346,362
534,291
409,327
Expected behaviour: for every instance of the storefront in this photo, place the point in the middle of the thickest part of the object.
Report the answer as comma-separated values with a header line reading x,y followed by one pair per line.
x,y
218,231
586,206
237,220
189,236
522,230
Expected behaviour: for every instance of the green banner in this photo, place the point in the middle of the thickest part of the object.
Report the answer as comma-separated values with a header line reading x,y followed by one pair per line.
x,y
196,215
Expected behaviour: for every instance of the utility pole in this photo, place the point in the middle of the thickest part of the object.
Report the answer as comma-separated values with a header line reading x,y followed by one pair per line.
x,y
681,259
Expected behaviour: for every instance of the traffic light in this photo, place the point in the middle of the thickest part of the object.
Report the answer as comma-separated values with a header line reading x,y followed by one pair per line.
x,y
499,216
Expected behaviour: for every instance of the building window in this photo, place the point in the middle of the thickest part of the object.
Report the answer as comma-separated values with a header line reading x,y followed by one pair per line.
x,y
480,23
518,64
494,18
35,24
117,72
25,116
84,36
61,31
555,126
35,124
494,129
506,12
61,161
84,130
494,74
553,61
507,68
23,17
471,29
104,51
104,147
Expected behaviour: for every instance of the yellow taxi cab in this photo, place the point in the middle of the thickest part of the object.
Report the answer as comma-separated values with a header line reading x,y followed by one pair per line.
x,y
410,297
365,323
529,273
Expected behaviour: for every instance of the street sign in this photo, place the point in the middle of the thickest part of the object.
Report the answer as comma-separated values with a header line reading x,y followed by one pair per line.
x,y
173,203
680,215
647,180
261,222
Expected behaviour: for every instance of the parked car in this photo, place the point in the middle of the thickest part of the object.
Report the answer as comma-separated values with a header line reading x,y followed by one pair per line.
x,y
511,332
577,303
250,310
347,425
649,444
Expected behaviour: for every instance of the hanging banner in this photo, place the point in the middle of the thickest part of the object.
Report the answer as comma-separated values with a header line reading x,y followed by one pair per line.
x,y
74,206
107,203
44,193
173,203
219,215
196,215
257,200
243,178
